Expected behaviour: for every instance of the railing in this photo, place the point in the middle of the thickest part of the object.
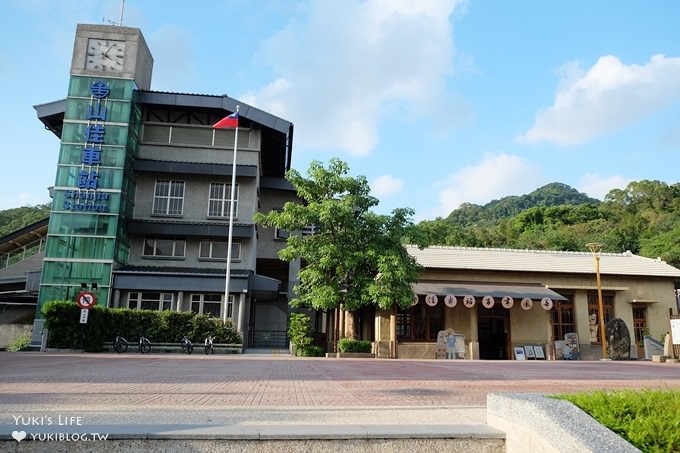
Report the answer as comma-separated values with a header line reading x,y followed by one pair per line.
x,y
270,338
21,253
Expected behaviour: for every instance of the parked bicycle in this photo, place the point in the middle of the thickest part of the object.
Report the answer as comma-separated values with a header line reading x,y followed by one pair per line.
x,y
209,345
144,344
120,344
187,347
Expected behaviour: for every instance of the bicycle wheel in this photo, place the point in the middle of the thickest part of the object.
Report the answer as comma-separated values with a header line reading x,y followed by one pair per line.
x,y
120,345
144,346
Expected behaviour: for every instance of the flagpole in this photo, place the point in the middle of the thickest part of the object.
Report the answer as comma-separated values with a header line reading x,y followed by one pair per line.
x,y
231,225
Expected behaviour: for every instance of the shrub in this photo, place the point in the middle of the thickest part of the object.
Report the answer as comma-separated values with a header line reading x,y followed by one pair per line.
x,y
312,351
345,345
62,318
20,343
298,332
648,419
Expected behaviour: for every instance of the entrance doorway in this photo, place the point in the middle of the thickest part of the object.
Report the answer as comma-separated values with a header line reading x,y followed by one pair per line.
x,y
493,331
268,320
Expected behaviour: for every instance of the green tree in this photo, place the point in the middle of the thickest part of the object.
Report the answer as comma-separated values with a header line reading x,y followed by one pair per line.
x,y
355,258
14,219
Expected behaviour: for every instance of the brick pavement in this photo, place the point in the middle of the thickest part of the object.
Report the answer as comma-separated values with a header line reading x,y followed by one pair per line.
x,y
257,381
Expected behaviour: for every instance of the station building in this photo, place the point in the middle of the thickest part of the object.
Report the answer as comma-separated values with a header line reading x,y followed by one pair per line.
x,y
502,299
141,199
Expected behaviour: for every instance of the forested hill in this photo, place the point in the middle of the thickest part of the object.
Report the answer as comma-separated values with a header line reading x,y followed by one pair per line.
x,y
17,218
643,218
553,194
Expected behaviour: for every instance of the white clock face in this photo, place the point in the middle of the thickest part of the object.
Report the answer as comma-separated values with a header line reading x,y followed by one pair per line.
x,y
105,55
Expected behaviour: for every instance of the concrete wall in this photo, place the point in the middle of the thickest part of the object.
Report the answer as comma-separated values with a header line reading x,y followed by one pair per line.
x,y
9,332
208,155
195,209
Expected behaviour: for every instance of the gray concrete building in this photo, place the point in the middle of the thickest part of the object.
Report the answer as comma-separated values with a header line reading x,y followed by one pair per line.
x,y
142,194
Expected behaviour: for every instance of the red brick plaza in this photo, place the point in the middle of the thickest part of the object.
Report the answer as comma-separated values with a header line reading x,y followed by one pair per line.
x,y
256,380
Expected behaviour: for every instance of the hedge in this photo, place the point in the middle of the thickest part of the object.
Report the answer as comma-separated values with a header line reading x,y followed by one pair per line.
x,y
345,345
62,319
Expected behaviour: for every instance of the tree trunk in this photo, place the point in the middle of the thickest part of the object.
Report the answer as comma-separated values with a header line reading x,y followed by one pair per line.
x,y
351,326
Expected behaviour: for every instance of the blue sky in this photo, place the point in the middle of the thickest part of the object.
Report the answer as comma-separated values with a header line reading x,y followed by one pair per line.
x,y
436,102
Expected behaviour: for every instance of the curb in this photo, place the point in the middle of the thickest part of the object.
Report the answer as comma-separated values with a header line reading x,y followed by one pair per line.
x,y
535,423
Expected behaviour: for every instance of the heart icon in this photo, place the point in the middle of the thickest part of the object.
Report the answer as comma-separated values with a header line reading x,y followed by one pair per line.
x,y
19,435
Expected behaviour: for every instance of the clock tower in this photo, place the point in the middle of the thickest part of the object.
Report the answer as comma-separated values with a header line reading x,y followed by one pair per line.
x,y
94,188
112,51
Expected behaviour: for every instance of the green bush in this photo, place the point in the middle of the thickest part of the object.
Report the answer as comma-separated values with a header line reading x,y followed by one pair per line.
x,y
648,419
345,345
312,351
298,332
62,318
20,343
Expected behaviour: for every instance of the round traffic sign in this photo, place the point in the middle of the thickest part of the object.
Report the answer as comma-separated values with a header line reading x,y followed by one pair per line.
x,y
86,300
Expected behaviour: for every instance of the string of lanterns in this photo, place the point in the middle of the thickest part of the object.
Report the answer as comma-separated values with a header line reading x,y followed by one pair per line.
x,y
487,301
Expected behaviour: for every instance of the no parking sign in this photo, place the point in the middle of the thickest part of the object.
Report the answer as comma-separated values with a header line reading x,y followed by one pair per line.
x,y
86,300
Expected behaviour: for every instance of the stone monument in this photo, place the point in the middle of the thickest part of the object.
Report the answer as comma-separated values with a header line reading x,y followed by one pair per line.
x,y
618,339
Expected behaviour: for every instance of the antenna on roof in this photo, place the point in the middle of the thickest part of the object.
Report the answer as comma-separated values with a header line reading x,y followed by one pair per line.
x,y
120,19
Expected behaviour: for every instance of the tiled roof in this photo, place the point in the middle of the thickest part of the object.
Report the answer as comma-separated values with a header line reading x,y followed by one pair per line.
x,y
543,261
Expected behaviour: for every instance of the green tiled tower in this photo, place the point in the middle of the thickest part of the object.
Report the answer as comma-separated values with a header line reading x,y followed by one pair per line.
x,y
94,184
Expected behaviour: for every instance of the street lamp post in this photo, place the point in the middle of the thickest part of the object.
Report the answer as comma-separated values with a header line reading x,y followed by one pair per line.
x,y
595,248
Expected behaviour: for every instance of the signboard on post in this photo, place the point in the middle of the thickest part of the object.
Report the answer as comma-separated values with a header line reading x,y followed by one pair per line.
x,y
83,315
675,330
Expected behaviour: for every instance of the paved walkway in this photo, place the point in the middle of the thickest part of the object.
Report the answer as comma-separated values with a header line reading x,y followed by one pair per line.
x,y
157,380
230,393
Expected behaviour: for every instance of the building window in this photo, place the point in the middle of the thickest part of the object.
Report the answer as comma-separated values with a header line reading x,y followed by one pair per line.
x,y
168,197
164,248
281,234
563,319
217,250
593,313
150,301
220,200
420,322
211,305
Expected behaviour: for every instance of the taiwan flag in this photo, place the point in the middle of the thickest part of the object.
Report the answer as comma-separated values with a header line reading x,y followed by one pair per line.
x,y
227,121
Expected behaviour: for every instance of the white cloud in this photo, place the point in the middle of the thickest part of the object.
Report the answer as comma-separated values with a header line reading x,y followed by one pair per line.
x,y
342,67
386,185
610,95
496,176
597,186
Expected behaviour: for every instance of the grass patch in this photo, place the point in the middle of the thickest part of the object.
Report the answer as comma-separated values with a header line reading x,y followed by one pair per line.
x,y
648,419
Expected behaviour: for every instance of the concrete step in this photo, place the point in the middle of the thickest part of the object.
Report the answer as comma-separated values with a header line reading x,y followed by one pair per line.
x,y
262,430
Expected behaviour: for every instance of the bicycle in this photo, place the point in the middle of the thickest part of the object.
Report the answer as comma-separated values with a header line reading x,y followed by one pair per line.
x,y
144,344
120,344
209,345
187,347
